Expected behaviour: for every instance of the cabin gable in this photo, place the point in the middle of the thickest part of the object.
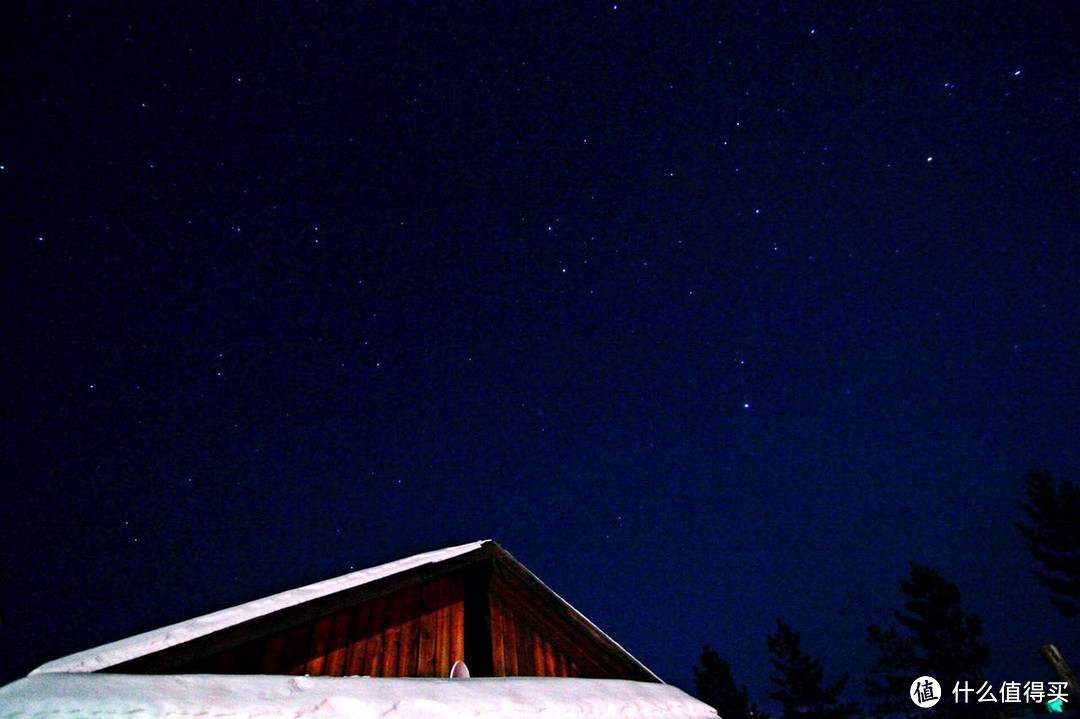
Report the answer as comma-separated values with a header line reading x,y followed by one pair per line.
x,y
481,607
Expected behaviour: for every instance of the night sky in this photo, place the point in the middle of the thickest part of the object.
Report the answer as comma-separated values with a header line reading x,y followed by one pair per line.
x,y
709,314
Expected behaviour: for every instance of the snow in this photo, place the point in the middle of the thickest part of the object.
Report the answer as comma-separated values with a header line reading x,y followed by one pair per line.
x,y
59,694
98,658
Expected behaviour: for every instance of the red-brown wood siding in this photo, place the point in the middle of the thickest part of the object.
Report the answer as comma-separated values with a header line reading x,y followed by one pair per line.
x,y
334,666
415,632
529,639
414,626
519,647
408,657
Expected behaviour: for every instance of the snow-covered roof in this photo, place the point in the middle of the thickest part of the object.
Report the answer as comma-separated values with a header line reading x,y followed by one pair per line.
x,y
108,655
267,697
81,685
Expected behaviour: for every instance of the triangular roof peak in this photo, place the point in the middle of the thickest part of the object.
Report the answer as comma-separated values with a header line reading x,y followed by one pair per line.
x,y
410,617
125,650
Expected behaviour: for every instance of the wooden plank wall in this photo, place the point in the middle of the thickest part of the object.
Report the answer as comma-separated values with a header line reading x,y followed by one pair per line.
x,y
533,634
520,649
415,632
531,638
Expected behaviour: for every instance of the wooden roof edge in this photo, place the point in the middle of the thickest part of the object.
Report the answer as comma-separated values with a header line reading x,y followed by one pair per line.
x,y
584,623
263,615
167,658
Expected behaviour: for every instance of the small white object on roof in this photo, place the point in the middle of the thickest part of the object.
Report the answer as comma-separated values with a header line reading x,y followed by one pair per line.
x,y
267,697
107,655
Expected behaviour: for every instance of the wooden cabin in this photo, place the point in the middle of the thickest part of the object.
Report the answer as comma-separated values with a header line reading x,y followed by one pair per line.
x,y
417,618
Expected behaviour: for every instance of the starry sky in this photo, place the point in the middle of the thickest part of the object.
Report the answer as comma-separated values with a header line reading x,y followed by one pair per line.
x,y
711,314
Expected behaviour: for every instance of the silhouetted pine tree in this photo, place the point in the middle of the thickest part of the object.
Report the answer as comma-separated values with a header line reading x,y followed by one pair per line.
x,y
800,681
1053,537
936,638
716,687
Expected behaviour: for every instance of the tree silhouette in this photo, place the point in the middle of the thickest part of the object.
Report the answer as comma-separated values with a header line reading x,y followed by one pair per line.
x,y
716,687
1053,537
936,638
800,680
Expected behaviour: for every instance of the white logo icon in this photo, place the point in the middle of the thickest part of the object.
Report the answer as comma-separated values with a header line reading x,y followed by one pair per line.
x,y
925,692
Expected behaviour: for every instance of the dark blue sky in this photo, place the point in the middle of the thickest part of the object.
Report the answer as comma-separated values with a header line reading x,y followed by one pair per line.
x,y
710,315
